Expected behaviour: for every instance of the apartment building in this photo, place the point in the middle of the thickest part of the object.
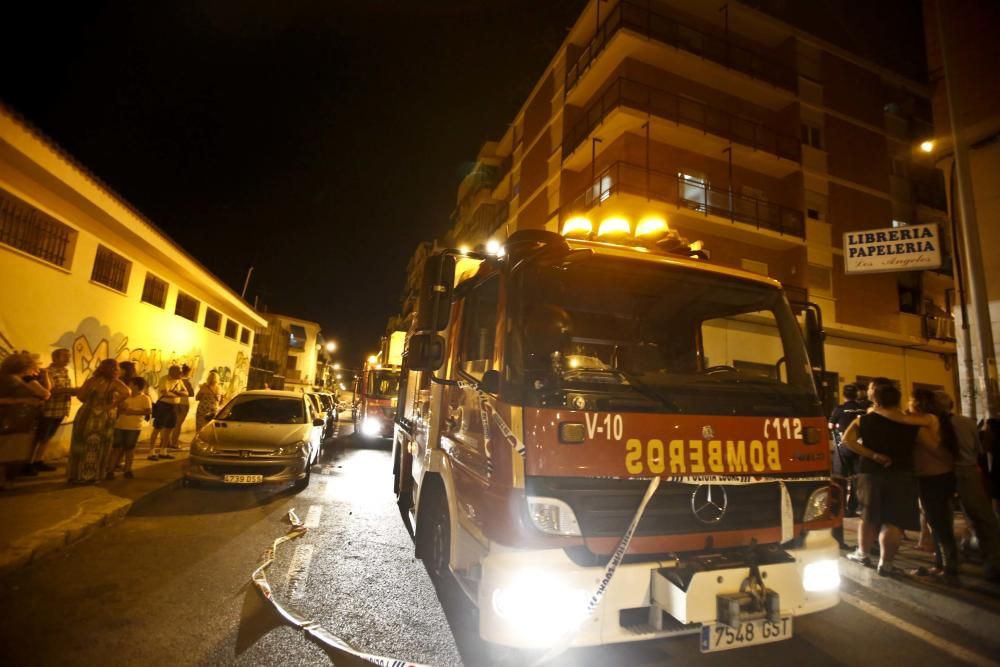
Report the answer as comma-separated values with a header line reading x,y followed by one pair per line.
x,y
81,269
764,142
289,348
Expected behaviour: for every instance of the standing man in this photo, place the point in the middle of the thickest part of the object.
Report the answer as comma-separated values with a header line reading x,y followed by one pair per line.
x,y
54,410
845,461
887,487
971,491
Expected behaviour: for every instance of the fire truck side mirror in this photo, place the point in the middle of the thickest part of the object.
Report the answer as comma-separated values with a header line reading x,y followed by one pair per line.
x,y
814,338
425,352
434,300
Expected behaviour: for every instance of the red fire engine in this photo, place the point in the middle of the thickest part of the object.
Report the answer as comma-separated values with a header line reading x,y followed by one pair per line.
x,y
571,384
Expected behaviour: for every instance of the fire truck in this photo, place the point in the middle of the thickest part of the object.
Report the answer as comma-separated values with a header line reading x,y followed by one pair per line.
x,y
378,387
603,437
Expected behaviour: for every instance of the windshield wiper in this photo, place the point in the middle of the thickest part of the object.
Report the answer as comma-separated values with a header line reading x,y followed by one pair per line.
x,y
649,391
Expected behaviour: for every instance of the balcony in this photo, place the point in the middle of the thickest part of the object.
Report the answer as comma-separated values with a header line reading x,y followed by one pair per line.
x,y
685,123
939,328
649,24
622,178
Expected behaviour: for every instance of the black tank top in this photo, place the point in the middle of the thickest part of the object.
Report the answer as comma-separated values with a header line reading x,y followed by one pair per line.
x,y
887,437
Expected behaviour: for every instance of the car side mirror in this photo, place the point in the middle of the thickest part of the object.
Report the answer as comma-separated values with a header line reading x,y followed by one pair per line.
x,y
318,422
490,382
425,352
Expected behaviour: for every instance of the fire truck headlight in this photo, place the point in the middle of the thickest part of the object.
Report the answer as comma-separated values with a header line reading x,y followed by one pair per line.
x,y
818,505
540,604
821,576
552,516
371,427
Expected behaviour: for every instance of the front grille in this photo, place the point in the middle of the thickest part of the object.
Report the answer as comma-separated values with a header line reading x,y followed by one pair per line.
x,y
604,507
266,471
252,454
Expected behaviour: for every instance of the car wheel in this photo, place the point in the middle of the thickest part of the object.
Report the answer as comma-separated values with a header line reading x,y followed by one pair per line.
x,y
434,536
301,484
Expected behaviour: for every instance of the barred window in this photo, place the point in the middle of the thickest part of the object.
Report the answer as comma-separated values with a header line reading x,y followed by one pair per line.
x,y
213,319
245,336
111,269
187,306
24,227
231,329
154,291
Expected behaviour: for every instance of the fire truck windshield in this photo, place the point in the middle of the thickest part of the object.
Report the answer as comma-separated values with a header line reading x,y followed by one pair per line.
x,y
671,338
383,384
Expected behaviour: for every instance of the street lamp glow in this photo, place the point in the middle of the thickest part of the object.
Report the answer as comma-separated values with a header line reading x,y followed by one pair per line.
x,y
464,249
331,346
492,247
927,146
372,359
336,366
338,376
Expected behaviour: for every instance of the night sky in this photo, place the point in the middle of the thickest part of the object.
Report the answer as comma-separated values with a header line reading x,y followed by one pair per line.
x,y
318,141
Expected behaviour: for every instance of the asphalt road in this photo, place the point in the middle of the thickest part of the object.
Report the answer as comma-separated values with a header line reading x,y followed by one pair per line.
x,y
169,585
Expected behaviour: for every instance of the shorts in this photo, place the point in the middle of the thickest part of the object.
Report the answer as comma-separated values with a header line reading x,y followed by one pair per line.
x,y
164,415
125,438
889,498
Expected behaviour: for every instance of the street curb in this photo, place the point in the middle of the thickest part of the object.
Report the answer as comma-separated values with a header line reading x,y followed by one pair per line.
x,y
974,619
42,543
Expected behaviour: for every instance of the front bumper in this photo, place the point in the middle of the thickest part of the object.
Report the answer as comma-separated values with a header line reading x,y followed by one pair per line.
x,y
635,587
275,469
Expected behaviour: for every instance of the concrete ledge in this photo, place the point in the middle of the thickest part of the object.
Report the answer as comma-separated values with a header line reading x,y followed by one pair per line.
x,y
975,619
88,518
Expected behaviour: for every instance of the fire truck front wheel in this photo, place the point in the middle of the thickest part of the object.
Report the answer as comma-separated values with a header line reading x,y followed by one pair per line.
x,y
434,532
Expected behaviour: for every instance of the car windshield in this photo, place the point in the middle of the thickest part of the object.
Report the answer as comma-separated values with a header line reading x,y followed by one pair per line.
x,y
264,410
682,340
383,383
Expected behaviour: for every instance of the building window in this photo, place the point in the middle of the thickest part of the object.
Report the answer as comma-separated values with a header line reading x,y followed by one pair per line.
x,y
154,291
111,269
187,307
231,329
290,362
297,337
245,336
812,136
213,319
27,229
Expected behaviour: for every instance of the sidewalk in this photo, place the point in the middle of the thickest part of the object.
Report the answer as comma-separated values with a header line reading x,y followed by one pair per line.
x,y
974,603
44,514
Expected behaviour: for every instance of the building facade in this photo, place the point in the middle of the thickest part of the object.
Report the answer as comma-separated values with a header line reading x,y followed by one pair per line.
x,y
767,144
973,54
82,270
298,341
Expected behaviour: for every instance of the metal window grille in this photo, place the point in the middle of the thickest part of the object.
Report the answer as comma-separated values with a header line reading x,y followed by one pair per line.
x,y
154,291
187,307
213,319
29,230
231,329
110,269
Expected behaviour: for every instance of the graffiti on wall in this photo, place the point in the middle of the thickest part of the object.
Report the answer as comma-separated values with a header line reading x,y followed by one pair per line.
x,y
233,379
93,342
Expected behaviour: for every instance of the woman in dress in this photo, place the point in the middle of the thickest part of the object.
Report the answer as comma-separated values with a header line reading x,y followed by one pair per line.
x,y
209,396
94,424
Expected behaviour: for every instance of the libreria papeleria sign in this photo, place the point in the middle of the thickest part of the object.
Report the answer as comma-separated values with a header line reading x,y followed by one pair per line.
x,y
906,248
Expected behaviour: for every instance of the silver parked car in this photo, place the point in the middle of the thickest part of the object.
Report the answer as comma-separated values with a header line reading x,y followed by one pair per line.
x,y
259,437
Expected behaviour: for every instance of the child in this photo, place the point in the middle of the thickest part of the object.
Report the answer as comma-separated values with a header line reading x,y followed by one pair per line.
x,y
131,414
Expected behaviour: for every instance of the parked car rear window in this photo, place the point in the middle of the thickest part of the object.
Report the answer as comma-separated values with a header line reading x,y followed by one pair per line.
x,y
264,409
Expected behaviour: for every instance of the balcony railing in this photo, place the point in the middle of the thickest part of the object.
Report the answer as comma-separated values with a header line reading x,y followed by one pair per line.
x,y
682,111
646,21
626,178
939,328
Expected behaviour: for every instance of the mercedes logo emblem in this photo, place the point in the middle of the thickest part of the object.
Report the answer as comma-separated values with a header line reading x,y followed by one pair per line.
x,y
709,503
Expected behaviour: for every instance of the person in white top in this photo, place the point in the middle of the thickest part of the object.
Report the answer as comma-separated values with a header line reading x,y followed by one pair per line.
x,y
132,412
170,390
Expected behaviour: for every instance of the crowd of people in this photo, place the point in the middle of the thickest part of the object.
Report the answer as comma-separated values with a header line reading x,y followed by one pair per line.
x,y
114,406
906,470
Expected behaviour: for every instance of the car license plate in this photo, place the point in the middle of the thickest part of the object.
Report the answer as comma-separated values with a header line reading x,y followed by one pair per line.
x,y
243,479
721,637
